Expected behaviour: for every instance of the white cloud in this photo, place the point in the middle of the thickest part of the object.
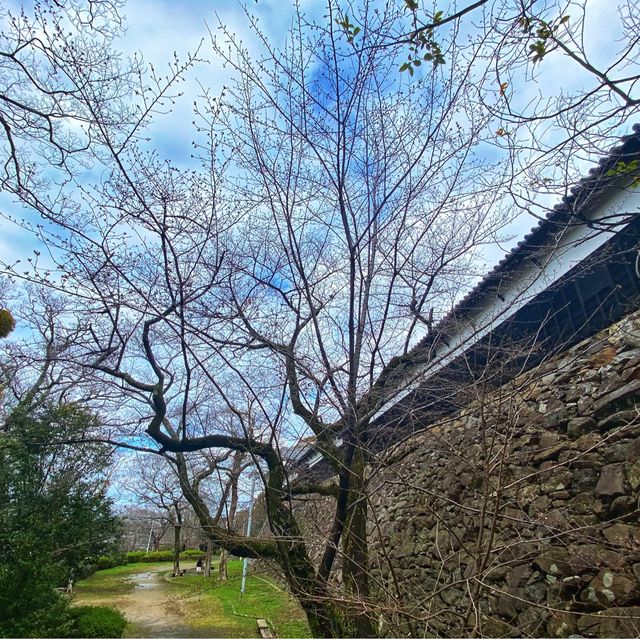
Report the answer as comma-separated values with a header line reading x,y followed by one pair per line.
x,y
158,28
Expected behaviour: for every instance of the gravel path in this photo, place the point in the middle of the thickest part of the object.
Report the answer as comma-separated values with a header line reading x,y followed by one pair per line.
x,y
151,610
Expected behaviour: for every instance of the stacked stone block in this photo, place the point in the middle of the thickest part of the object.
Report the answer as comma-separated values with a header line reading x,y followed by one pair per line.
x,y
519,516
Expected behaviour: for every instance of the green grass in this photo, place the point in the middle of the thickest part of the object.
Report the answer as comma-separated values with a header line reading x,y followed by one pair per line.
x,y
263,599
210,603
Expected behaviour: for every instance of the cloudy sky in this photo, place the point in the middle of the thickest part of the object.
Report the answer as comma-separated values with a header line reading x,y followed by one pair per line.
x,y
158,28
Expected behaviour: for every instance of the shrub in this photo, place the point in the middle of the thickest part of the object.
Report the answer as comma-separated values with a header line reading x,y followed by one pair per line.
x,y
84,570
104,561
160,555
97,621
111,561
135,555
157,555
29,603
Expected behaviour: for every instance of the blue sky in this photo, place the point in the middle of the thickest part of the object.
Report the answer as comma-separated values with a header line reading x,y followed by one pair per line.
x,y
158,28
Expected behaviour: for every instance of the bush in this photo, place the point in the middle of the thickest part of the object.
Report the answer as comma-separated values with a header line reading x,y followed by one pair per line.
x,y
135,555
111,561
84,570
97,621
157,555
29,603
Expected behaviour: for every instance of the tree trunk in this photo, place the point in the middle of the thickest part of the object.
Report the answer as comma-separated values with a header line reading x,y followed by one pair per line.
x,y
326,621
327,616
356,551
231,515
324,614
222,568
176,550
207,562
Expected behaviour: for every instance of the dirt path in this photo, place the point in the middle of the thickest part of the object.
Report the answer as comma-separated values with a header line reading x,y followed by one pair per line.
x,y
150,609
154,609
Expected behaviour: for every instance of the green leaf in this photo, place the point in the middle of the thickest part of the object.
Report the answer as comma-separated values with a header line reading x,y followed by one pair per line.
x,y
438,16
538,50
624,168
525,23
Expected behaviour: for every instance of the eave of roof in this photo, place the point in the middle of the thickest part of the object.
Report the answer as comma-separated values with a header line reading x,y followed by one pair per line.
x,y
581,195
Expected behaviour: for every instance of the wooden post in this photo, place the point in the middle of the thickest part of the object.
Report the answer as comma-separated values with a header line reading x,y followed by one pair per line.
x,y
264,630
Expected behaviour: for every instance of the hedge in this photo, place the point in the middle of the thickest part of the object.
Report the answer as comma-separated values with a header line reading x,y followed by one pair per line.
x,y
96,621
110,561
162,555
156,555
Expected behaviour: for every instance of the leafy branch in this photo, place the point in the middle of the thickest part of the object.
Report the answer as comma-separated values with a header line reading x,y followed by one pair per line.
x,y
545,34
350,29
629,169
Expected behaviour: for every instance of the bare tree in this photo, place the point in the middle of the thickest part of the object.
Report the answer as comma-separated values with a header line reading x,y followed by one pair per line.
x,y
70,102
143,528
37,369
156,485
337,215
354,245
226,496
545,74
53,57
297,279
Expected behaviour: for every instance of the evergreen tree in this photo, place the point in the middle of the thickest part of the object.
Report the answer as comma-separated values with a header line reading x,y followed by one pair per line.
x,y
54,515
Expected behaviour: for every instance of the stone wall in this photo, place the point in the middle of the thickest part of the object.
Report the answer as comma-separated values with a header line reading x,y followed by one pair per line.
x,y
519,516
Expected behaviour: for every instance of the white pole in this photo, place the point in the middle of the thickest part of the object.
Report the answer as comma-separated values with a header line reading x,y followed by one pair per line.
x,y
149,542
245,561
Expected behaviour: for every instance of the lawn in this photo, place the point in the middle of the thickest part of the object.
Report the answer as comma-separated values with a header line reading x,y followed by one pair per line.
x,y
263,599
198,604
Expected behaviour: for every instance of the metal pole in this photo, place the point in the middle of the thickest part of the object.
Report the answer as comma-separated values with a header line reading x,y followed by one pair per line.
x,y
245,561
149,542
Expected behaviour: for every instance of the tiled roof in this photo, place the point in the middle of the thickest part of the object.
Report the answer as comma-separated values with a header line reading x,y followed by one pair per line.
x,y
559,217
562,214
